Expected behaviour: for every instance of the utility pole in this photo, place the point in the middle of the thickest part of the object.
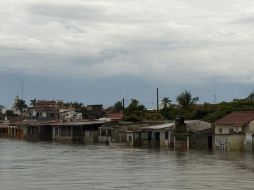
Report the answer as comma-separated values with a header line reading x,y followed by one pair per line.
x,y
157,99
22,90
123,107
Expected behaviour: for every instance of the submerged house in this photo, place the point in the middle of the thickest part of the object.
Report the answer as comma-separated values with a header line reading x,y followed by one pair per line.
x,y
182,135
112,133
235,131
76,132
156,135
133,137
192,134
32,130
3,130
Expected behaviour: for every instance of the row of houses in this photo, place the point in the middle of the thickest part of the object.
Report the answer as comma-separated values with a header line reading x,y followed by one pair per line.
x,y
195,135
234,132
69,132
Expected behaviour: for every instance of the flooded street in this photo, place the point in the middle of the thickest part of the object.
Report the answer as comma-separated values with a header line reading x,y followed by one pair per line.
x,y
35,166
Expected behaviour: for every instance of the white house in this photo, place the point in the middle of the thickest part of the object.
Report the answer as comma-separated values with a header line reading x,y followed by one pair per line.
x,y
70,115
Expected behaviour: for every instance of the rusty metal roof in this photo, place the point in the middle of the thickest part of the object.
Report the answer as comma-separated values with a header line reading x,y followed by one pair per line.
x,y
236,118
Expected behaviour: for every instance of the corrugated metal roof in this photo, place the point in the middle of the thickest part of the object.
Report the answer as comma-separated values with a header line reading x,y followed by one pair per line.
x,y
161,126
78,123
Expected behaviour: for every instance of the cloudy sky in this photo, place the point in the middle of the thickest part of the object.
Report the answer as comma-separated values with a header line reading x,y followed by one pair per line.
x,y
98,51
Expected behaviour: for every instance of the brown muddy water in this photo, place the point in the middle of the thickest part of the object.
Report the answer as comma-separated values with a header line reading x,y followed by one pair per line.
x,y
37,166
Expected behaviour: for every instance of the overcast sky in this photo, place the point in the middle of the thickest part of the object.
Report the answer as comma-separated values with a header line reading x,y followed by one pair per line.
x,y
100,51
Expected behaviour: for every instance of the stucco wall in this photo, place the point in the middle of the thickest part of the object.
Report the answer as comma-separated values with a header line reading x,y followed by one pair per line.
x,y
225,129
233,142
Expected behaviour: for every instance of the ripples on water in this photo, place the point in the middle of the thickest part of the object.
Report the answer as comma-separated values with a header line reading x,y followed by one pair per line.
x,y
35,166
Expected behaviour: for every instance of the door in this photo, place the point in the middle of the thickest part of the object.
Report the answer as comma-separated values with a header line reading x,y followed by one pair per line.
x,y
210,142
157,138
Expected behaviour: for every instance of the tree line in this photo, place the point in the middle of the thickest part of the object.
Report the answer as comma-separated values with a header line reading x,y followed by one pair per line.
x,y
186,106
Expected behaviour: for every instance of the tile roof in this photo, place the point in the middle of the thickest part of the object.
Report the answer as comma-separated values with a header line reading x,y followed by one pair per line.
x,y
116,116
236,118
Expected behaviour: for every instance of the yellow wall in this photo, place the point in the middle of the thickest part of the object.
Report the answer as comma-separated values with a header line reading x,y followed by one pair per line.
x,y
234,142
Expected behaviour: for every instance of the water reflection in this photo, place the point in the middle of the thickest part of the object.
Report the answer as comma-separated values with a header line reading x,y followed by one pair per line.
x,y
60,166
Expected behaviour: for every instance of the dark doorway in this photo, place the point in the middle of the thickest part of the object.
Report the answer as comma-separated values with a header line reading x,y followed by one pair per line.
x,y
157,138
149,137
210,142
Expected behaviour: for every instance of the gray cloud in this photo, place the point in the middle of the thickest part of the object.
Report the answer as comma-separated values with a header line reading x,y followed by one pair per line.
x,y
150,40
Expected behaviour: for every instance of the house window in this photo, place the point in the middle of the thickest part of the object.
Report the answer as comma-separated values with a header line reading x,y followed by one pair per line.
x,y
231,130
220,130
166,135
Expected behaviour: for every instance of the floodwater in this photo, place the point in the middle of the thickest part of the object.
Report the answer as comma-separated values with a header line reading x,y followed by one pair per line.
x,y
35,166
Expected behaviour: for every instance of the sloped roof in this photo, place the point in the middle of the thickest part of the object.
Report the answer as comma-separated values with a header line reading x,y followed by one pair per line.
x,y
197,125
236,118
115,116
161,126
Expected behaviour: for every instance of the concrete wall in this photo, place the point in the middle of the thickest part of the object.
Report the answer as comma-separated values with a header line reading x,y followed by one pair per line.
x,y
91,137
130,137
234,142
3,132
226,129
162,142
104,139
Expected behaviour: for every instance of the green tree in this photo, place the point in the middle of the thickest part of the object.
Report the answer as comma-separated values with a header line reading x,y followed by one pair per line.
x,y
9,113
33,102
20,105
77,105
135,111
118,106
185,99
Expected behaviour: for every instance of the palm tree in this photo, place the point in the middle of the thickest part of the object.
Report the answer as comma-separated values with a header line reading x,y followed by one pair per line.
x,y
33,102
165,102
20,105
186,100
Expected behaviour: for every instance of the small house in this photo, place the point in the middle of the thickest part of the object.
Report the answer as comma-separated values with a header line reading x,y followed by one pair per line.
x,y
235,131
76,132
156,135
192,134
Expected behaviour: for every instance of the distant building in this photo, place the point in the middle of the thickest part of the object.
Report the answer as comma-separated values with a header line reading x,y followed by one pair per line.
x,y
115,116
44,110
67,115
95,111
235,131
